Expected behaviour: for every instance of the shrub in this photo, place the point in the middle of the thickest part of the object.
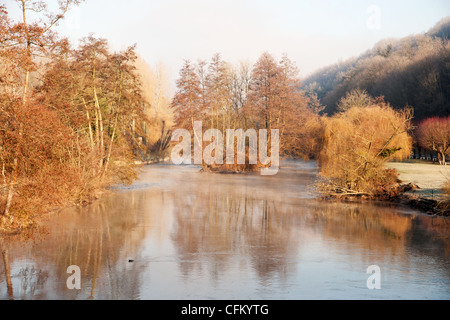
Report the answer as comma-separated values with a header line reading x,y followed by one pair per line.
x,y
357,144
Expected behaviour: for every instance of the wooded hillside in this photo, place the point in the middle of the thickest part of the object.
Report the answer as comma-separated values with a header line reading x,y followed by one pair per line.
x,y
412,71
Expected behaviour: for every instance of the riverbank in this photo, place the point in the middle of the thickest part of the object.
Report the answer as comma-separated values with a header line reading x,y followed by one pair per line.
x,y
428,197
429,179
27,224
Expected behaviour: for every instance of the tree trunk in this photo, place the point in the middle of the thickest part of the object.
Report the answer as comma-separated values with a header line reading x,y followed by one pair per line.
x,y
91,135
108,158
163,135
6,262
100,129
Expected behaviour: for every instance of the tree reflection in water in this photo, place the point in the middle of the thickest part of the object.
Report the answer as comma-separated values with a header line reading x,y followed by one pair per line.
x,y
205,235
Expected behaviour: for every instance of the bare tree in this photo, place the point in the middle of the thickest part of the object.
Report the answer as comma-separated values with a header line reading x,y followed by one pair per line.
x,y
355,98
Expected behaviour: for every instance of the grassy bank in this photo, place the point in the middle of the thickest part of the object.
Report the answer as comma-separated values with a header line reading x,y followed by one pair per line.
x,y
430,179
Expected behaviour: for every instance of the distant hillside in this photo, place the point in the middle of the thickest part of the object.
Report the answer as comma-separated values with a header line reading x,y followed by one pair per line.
x,y
413,71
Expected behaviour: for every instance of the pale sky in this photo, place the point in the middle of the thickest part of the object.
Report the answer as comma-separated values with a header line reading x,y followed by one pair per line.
x,y
314,33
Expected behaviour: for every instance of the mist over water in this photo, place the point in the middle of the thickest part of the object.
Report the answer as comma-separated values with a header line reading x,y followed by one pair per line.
x,y
194,235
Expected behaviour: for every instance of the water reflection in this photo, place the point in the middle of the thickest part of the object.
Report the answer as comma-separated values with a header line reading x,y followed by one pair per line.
x,y
219,226
194,235
92,238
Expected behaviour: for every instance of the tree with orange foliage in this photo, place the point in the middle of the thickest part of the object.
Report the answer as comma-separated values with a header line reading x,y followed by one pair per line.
x,y
275,101
21,42
186,102
72,131
36,39
357,145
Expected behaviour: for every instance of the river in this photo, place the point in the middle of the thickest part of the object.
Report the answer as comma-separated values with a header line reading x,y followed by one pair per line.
x,y
179,234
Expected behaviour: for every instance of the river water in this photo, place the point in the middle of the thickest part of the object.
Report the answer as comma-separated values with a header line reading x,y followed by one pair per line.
x,y
185,235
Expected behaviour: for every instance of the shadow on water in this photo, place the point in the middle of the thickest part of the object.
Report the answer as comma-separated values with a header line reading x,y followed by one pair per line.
x,y
192,235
